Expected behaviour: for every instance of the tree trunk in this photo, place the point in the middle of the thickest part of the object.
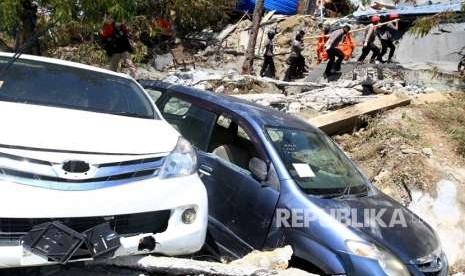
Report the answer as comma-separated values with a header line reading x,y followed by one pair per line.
x,y
26,30
250,53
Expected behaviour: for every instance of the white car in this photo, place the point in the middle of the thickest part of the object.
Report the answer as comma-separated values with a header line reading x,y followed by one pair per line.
x,y
90,169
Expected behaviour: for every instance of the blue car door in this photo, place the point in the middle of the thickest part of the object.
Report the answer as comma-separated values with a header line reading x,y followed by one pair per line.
x,y
241,208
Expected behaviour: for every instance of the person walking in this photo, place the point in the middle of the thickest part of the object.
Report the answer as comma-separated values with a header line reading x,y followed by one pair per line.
x,y
115,40
301,67
369,42
268,67
295,58
333,52
386,36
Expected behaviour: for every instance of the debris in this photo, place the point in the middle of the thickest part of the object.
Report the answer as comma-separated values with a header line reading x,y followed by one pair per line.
x,y
444,213
413,9
180,58
346,119
276,259
428,152
193,77
162,62
406,150
256,263
287,83
219,89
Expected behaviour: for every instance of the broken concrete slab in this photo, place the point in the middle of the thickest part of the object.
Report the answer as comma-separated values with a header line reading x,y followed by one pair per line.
x,y
256,263
346,119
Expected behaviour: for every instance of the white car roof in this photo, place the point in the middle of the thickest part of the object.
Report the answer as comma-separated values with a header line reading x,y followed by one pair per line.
x,y
65,63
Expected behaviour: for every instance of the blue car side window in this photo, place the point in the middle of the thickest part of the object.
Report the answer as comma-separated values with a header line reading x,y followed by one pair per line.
x,y
194,123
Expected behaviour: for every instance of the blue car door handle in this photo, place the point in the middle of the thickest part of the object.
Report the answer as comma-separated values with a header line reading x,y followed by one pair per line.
x,y
205,170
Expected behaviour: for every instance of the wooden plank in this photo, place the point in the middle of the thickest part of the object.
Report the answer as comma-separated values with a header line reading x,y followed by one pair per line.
x,y
267,17
347,119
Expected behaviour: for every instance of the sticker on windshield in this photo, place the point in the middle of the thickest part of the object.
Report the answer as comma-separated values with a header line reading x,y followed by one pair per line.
x,y
1,83
303,170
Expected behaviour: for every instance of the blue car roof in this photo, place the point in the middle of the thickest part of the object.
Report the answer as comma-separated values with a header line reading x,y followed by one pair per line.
x,y
264,116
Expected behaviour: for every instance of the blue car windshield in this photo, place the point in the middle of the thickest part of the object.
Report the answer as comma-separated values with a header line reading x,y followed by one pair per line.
x,y
42,83
317,165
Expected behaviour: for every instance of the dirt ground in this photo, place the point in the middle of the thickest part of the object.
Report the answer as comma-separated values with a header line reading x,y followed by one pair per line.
x,y
405,149
413,153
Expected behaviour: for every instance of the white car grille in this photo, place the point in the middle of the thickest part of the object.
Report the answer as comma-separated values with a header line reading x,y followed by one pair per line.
x,y
42,173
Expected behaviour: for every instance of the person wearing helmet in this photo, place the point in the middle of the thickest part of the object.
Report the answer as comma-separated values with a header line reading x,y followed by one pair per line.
x,y
268,67
331,49
369,42
386,35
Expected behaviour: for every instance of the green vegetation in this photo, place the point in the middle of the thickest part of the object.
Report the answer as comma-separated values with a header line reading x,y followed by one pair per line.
x,y
76,21
423,25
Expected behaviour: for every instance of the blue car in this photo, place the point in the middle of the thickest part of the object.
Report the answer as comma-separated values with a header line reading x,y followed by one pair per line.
x,y
273,180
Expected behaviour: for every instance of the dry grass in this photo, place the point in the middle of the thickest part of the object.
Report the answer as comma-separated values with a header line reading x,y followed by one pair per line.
x,y
377,150
450,116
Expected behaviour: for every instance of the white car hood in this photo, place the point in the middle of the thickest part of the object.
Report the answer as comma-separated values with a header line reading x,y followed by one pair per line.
x,y
61,129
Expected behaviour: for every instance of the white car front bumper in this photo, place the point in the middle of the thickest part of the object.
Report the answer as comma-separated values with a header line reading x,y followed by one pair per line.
x,y
149,195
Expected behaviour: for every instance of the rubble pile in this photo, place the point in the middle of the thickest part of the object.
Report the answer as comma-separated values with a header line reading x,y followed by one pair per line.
x,y
219,64
320,100
230,45
355,86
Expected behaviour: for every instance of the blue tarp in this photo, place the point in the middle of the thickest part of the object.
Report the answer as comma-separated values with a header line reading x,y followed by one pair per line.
x,y
287,7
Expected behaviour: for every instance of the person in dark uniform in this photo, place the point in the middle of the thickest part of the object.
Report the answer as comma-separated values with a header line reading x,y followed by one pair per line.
x,y
295,58
268,67
369,42
115,40
386,36
333,52
301,67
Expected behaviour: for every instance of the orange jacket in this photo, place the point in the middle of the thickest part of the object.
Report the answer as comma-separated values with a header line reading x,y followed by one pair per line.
x,y
347,46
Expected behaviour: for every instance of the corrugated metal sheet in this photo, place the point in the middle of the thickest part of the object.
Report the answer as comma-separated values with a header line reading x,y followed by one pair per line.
x,y
288,7
455,6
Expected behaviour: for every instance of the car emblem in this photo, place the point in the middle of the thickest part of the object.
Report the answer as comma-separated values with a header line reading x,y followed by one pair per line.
x,y
75,166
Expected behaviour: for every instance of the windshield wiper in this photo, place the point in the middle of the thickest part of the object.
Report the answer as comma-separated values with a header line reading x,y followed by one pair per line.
x,y
131,114
346,192
24,47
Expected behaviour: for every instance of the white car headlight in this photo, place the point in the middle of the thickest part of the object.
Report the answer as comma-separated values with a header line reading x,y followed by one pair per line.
x,y
182,161
389,263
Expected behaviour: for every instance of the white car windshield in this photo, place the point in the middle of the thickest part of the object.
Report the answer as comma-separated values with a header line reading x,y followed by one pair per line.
x,y
41,83
317,165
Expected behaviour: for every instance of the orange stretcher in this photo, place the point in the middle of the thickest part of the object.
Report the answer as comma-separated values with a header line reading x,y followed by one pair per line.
x,y
347,46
